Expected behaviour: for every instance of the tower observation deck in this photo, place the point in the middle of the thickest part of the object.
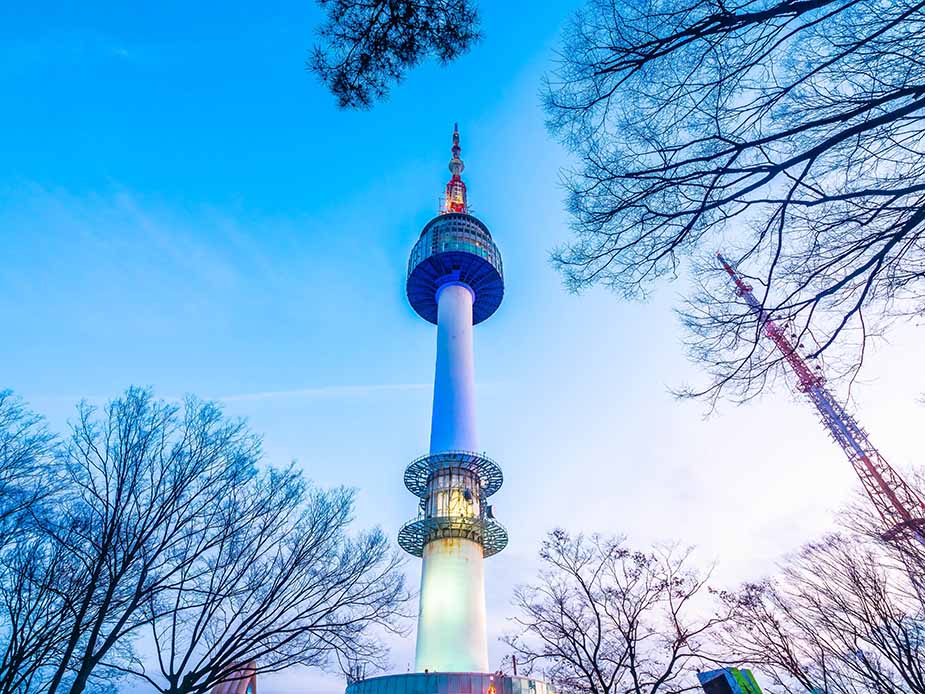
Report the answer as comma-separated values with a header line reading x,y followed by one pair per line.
x,y
455,281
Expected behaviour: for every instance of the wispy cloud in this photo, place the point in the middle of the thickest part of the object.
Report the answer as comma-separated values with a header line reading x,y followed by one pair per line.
x,y
334,391
325,391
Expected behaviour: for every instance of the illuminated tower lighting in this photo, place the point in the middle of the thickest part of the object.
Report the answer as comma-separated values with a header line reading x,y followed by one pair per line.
x,y
455,281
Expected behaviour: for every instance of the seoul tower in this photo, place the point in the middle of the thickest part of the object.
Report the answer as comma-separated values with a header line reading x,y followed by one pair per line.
x,y
455,281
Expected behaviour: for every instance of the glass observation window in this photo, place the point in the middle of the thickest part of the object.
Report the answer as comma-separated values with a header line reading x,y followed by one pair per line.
x,y
453,492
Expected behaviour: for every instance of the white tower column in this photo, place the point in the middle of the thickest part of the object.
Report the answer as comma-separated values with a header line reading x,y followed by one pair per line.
x,y
452,424
451,621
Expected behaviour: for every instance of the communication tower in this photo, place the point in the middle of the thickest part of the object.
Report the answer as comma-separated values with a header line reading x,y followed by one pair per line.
x,y
455,281
898,505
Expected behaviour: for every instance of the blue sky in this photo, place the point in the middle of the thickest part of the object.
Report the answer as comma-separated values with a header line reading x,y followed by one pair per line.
x,y
182,206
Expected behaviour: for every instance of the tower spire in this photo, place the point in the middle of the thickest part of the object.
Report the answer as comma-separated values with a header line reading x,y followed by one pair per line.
x,y
455,199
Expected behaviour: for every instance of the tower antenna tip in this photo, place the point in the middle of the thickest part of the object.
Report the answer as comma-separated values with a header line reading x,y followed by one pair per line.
x,y
455,196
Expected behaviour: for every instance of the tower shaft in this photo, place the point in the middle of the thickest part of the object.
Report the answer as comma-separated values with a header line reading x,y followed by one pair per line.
x,y
451,619
452,426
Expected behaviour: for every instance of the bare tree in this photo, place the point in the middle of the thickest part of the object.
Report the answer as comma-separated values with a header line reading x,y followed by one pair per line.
x,y
285,585
367,46
900,554
164,525
605,619
31,572
35,575
26,470
145,487
788,131
845,614
842,618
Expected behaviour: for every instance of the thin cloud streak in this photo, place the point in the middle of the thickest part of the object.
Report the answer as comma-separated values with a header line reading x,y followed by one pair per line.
x,y
325,391
334,391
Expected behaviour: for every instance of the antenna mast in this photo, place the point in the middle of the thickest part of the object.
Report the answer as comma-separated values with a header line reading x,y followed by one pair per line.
x,y
899,506
455,196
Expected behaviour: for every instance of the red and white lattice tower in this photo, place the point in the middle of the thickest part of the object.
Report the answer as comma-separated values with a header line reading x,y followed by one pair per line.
x,y
899,505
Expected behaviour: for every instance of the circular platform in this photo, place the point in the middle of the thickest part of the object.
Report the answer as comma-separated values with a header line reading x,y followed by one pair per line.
x,y
486,531
455,247
419,471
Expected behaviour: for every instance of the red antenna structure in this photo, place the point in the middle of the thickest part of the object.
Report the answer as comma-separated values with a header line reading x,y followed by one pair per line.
x,y
899,506
455,199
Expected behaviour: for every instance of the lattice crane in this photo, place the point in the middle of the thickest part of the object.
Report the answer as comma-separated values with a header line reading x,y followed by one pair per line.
x,y
898,504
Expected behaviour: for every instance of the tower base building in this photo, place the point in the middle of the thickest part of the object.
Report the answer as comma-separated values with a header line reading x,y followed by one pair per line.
x,y
448,683
455,281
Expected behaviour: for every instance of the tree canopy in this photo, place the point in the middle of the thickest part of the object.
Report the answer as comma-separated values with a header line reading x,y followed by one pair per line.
x,y
787,132
167,524
603,618
365,47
